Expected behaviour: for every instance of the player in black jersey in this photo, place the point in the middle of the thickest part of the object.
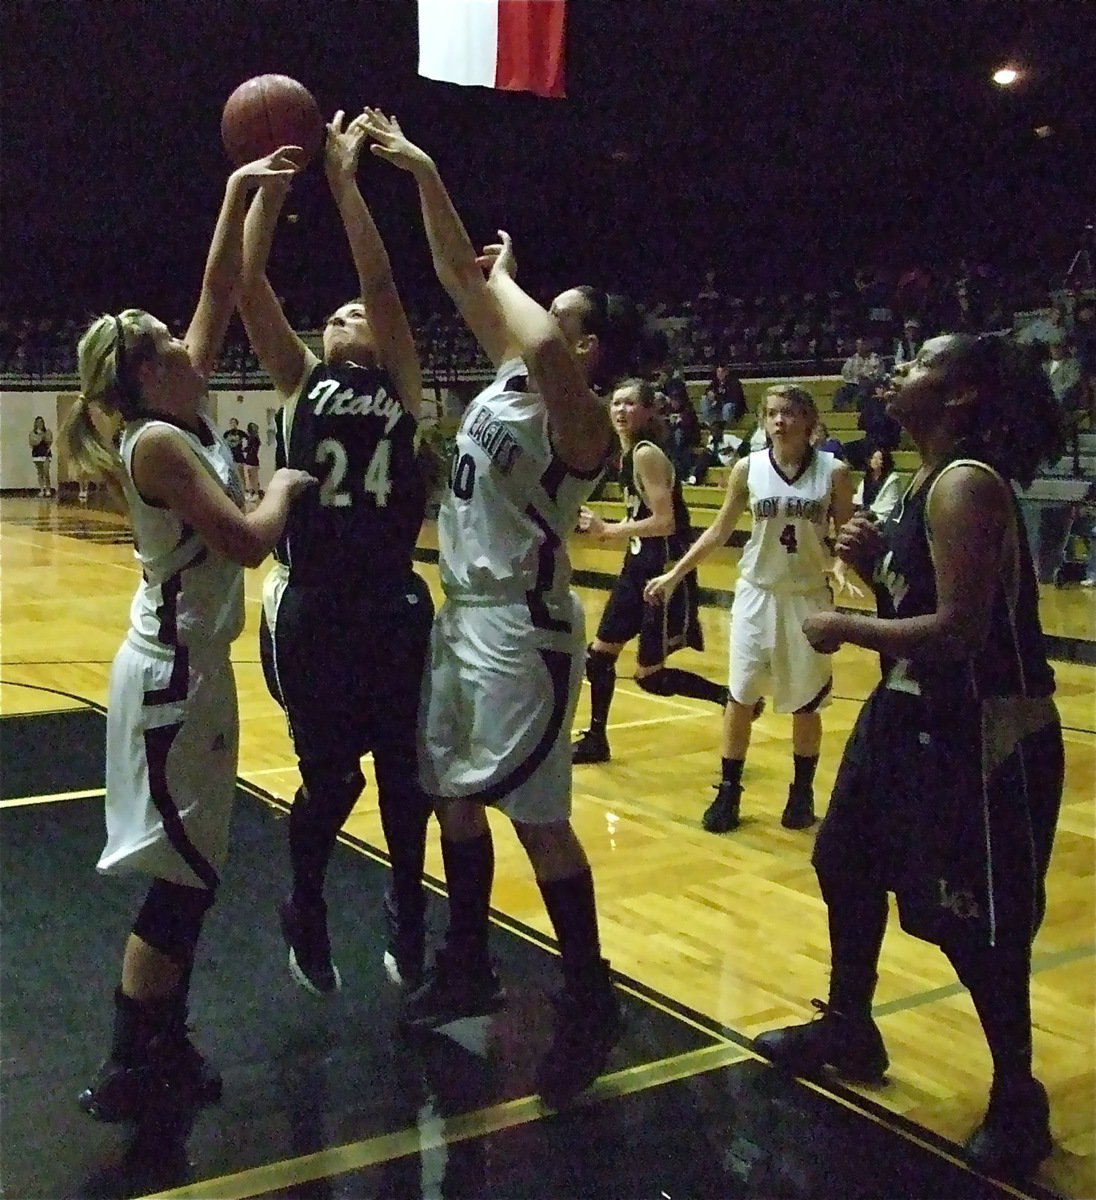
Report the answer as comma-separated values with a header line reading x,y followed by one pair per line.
x,y
345,618
658,532
949,788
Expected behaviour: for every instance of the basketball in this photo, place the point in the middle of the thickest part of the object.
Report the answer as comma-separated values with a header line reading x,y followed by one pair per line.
x,y
267,112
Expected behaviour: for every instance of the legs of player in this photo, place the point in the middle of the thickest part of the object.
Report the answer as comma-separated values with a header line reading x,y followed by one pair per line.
x,y
462,981
152,1061
587,1023
843,1036
322,804
593,744
722,815
1014,1135
806,743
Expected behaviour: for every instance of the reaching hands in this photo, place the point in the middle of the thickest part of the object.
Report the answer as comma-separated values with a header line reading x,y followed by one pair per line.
x,y
389,143
497,258
275,169
343,147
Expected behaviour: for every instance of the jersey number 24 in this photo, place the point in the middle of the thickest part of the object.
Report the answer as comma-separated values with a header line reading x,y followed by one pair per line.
x,y
376,482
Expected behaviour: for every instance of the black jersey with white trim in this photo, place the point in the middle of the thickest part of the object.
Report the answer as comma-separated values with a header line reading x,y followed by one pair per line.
x,y
357,529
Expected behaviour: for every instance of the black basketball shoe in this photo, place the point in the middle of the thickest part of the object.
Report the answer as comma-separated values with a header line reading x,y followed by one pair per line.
x,y
799,811
455,987
592,747
587,1027
852,1046
1014,1136
722,815
304,929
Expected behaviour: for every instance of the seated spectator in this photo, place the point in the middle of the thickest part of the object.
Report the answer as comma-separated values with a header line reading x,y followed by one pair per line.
x,y
905,349
719,450
724,402
881,487
822,439
880,429
1066,379
684,432
862,368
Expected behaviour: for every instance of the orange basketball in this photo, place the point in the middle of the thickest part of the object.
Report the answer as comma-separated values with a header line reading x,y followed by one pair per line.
x,y
267,112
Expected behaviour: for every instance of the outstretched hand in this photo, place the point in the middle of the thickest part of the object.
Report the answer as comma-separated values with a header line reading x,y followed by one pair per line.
x,y
272,169
343,147
497,258
389,142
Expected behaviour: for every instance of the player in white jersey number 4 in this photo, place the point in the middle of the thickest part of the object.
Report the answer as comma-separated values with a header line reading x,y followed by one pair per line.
x,y
794,494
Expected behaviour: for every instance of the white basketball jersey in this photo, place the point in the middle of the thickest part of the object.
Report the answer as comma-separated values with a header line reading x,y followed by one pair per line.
x,y
512,503
791,518
189,595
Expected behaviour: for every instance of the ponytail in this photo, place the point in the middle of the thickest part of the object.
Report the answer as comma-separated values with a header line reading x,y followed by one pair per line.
x,y
86,449
629,342
107,356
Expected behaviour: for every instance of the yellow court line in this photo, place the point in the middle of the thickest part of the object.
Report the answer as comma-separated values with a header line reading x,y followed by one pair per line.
x,y
357,1156
23,801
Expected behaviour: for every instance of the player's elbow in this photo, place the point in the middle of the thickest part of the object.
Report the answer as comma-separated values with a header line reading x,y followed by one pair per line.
x,y
962,630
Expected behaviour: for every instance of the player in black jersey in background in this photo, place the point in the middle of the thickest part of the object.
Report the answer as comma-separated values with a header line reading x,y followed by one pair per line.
x,y
346,620
658,533
950,784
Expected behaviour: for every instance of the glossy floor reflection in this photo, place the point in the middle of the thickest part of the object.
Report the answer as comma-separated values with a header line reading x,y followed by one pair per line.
x,y
322,1097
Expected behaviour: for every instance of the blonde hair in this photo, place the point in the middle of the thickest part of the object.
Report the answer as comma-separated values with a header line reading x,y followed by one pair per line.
x,y
107,355
798,396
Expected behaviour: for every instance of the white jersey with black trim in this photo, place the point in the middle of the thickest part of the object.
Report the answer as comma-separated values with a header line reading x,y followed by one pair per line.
x,y
189,595
512,503
787,550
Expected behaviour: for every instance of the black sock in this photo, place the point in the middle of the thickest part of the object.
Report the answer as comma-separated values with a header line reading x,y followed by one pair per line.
x,y
469,875
805,766
857,916
732,770
572,910
670,681
999,981
405,813
602,687
314,824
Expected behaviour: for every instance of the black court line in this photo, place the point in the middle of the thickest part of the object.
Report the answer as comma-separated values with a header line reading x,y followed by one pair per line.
x,y
304,1075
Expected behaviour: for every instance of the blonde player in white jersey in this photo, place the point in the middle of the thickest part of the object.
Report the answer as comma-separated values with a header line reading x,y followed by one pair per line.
x,y
508,645
794,494
172,722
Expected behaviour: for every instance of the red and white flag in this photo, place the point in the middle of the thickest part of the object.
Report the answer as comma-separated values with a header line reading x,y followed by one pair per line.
x,y
516,45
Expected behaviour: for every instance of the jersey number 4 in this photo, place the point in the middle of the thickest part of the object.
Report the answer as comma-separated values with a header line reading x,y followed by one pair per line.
x,y
376,482
787,539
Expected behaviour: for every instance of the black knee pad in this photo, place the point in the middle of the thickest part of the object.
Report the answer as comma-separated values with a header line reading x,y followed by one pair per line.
x,y
656,683
328,795
171,919
600,665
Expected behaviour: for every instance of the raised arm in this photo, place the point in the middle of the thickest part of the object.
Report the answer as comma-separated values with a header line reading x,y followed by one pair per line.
x,y
383,309
280,351
220,281
734,505
578,420
451,249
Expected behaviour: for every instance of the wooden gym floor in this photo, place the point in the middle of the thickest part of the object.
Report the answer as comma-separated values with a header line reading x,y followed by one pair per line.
x,y
714,939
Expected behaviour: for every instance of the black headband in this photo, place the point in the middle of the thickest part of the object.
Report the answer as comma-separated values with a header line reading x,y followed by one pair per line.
x,y
125,386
